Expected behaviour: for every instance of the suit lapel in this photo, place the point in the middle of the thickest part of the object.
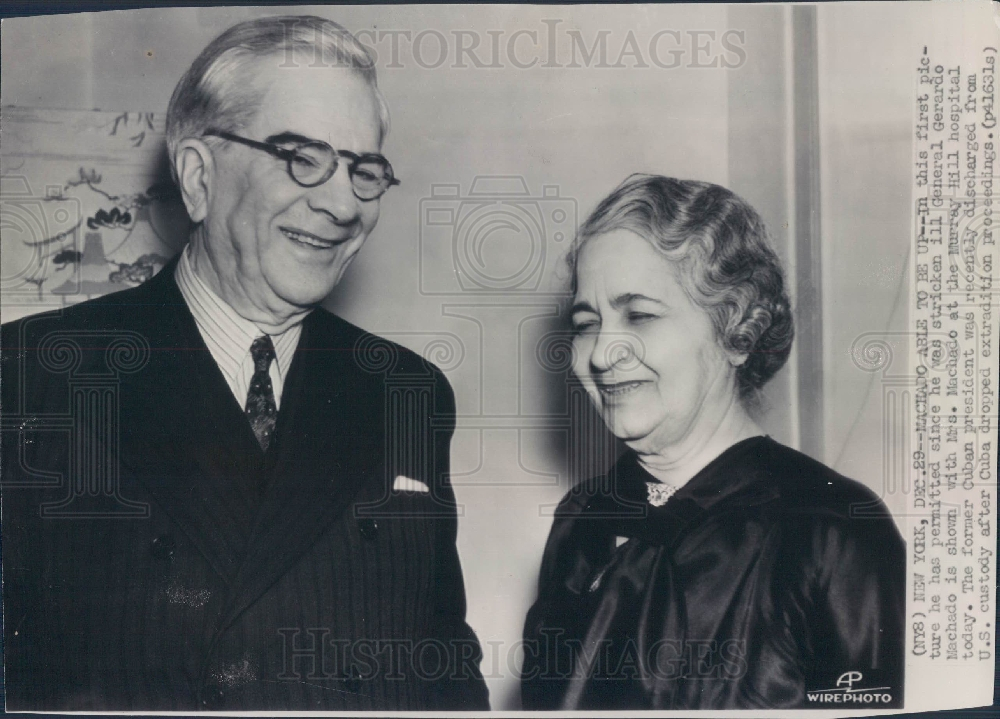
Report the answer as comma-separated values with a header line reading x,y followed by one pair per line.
x,y
192,447
326,447
191,444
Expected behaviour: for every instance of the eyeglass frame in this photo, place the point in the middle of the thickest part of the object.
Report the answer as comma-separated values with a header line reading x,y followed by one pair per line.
x,y
288,155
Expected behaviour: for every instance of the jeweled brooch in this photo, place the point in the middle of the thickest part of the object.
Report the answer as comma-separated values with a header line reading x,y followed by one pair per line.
x,y
658,493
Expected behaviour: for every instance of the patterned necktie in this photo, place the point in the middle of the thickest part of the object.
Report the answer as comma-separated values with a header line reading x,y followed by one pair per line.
x,y
262,411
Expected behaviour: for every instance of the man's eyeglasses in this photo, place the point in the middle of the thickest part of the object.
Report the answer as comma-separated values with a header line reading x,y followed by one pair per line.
x,y
312,162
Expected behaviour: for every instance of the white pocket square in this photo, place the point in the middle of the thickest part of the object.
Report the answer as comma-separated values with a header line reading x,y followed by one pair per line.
x,y
405,484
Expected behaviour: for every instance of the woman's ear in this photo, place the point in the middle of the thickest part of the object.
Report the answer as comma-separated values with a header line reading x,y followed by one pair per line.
x,y
737,359
195,168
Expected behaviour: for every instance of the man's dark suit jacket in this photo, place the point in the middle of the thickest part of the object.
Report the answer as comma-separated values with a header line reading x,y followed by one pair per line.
x,y
154,558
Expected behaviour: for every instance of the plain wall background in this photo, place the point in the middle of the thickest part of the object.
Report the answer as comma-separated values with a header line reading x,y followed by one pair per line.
x,y
580,130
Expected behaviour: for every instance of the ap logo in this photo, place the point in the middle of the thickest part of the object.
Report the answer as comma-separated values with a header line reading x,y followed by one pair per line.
x,y
849,679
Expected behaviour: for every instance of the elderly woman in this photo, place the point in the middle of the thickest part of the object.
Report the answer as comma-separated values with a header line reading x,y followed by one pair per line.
x,y
712,567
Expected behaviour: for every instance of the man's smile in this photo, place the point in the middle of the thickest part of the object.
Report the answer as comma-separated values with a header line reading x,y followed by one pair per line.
x,y
310,240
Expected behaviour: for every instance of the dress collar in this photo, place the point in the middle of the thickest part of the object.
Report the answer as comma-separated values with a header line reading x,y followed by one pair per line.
x,y
622,498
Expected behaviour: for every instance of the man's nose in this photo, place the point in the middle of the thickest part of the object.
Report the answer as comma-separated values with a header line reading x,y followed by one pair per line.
x,y
335,198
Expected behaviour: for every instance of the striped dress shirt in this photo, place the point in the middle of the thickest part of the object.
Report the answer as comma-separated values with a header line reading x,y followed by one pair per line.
x,y
229,336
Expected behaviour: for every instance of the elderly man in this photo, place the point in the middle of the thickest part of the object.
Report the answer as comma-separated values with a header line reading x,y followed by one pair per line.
x,y
219,496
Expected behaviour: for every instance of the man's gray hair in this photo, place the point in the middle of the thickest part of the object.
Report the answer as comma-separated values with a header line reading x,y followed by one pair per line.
x,y
218,90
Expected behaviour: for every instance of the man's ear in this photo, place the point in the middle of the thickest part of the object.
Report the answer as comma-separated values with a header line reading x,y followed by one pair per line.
x,y
195,169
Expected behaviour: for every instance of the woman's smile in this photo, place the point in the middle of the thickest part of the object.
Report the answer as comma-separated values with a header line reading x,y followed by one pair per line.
x,y
620,390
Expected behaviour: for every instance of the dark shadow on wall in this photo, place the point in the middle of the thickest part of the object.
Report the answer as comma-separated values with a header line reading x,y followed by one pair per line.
x,y
582,447
169,215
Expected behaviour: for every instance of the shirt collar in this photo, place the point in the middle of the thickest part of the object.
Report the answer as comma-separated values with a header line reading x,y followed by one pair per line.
x,y
227,333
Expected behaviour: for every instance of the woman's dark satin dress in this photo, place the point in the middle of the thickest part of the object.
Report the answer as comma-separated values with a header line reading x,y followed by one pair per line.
x,y
766,579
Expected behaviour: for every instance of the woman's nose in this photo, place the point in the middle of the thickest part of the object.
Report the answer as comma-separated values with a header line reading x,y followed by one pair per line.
x,y
614,350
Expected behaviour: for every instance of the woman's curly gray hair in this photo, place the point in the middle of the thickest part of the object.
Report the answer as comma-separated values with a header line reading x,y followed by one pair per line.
x,y
719,246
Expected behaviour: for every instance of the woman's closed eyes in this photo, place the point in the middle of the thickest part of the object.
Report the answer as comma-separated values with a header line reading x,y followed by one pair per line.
x,y
631,317
637,318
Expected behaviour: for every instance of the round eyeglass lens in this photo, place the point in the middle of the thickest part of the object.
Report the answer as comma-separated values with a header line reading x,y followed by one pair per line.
x,y
311,163
371,178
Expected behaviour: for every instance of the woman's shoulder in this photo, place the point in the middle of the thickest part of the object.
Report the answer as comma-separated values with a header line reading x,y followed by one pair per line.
x,y
806,484
837,511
